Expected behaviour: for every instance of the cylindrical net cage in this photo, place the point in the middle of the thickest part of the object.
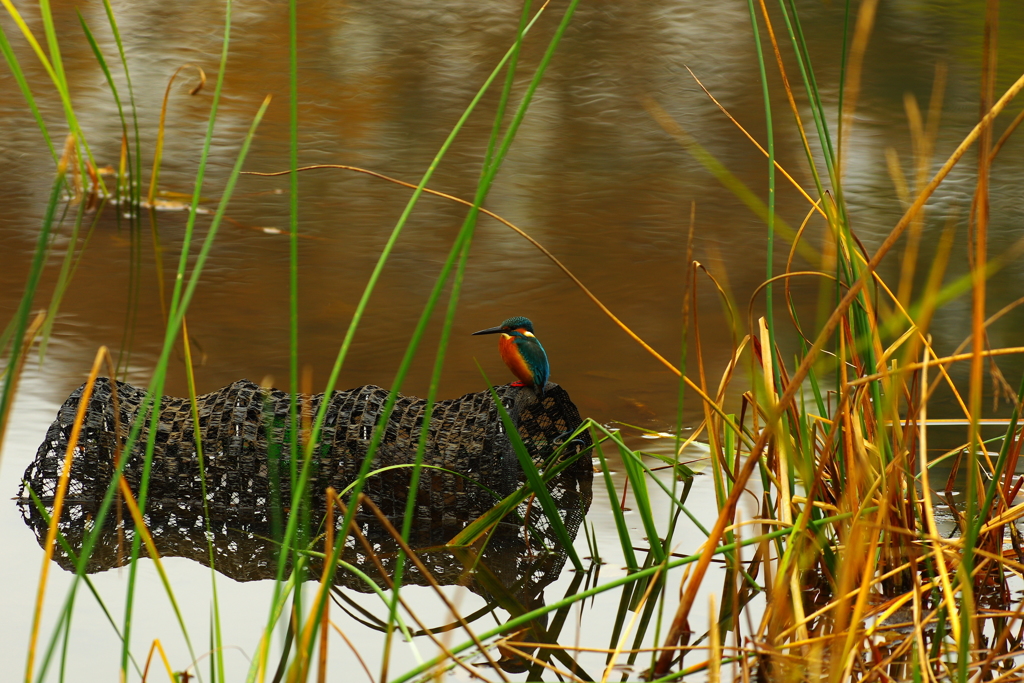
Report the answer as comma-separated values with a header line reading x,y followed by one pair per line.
x,y
244,437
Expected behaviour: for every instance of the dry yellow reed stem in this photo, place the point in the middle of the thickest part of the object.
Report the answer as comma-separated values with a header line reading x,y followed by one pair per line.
x,y
651,583
714,646
354,650
940,362
58,507
158,647
815,205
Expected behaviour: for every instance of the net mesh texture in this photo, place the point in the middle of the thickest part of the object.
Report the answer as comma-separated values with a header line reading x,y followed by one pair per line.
x,y
247,460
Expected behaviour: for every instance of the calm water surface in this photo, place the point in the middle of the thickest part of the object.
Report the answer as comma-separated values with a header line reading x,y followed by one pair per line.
x,y
591,176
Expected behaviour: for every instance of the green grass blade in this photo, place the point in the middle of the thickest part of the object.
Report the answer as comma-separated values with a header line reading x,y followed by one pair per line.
x,y
216,649
135,188
770,256
481,525
19,77
490,169
413,344
54,68
625,542
635,472
533,476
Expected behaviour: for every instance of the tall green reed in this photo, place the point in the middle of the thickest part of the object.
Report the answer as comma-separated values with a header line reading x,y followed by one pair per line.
x,y
457,249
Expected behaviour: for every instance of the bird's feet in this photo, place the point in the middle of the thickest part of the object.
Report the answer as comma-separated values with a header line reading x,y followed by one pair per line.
x,y
517,383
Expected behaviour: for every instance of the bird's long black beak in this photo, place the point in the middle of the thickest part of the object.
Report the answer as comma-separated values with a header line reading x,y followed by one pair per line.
x,y
490,330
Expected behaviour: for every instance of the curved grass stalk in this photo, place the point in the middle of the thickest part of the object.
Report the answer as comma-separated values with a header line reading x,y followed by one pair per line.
x,y
217,645
159,150
468,227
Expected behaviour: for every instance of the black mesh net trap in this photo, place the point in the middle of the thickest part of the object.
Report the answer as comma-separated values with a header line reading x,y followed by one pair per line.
x,y
247,460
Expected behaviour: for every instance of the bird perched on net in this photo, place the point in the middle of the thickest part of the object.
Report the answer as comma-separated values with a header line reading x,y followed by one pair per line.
x,y
522,352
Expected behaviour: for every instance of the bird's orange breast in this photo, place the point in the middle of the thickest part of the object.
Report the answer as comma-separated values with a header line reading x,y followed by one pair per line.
x,y
510,354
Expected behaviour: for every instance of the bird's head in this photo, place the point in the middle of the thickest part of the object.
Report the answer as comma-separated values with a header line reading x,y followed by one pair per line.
x,y
513,327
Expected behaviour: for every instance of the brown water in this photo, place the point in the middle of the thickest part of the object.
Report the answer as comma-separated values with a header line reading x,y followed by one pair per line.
x,y
591,176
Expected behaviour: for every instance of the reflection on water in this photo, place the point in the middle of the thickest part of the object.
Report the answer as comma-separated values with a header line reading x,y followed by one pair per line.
x,y
509,569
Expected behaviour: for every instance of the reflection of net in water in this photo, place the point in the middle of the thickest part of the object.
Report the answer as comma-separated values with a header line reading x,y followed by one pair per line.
x,y
245,449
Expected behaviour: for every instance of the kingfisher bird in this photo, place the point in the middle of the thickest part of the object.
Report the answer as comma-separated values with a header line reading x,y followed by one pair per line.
x,y
522,353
